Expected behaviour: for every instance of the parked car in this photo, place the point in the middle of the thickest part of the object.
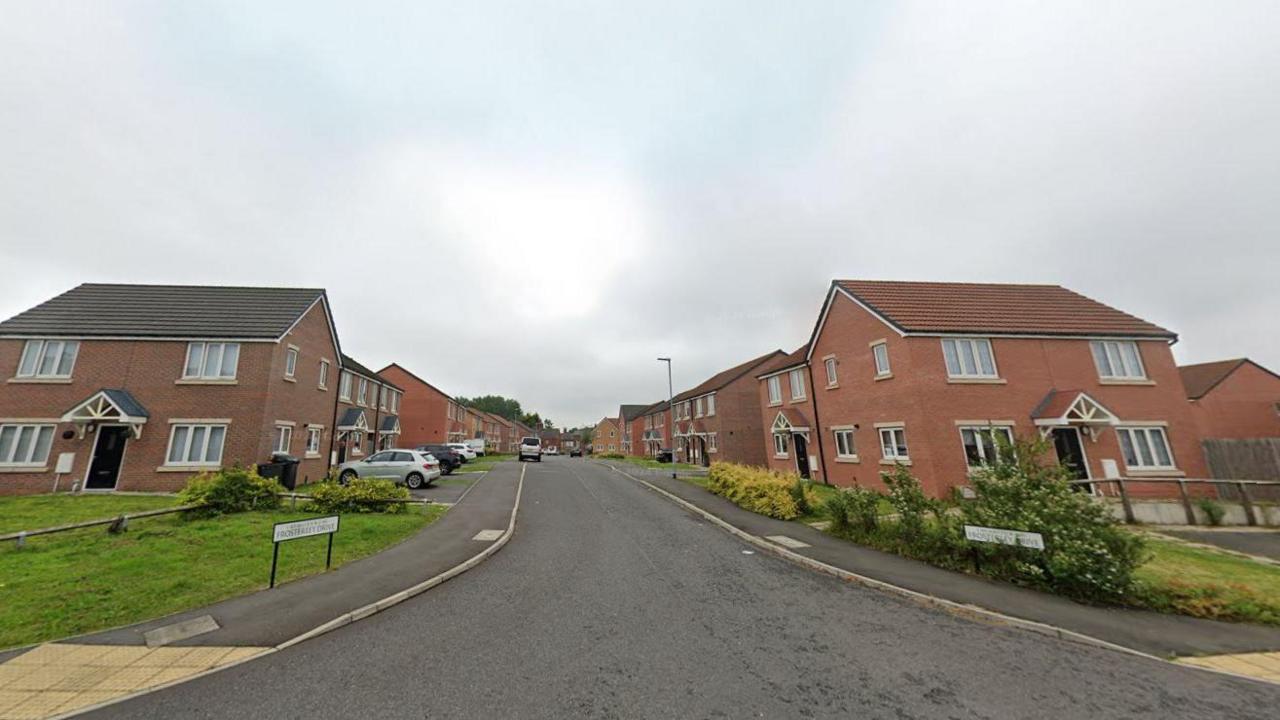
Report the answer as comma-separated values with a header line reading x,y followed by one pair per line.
x,y
464,450
531,449
411,468
476,445
449,458
664,455
553,450
576,452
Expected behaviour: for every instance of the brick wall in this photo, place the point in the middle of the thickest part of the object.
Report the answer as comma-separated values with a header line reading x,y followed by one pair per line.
x,y
1244,405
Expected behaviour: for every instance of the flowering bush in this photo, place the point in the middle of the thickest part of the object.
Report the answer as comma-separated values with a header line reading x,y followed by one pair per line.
x,y
767,492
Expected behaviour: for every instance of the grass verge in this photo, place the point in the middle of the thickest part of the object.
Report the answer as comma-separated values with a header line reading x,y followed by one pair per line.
x,y
1205,583
650,463
32,512
87,580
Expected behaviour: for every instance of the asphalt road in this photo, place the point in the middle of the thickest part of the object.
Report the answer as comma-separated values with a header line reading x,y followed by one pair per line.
x,y
611,602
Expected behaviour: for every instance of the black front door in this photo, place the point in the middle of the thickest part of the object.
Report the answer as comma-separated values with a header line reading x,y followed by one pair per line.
x,y
1066,441
702,452
802,455
108,451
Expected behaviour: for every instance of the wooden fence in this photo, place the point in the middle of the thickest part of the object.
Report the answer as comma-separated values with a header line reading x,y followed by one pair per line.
x,y
1256,459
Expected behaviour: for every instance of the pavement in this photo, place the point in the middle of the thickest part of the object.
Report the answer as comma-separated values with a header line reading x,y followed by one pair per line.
x,y
1154,633
612,602
60,677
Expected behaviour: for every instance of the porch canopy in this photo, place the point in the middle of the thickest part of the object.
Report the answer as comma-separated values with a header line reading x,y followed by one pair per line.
x,y
390,425
1072,408
108,405
353,419
790,420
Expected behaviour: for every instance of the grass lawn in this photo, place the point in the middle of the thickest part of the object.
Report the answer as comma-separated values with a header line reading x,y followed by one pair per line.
x,y
647,462
482,464
31,512
1205,583
86,580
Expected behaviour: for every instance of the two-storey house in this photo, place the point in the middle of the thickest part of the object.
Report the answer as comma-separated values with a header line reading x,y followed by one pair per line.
x,y
719,419
607,437
930,375
655,423
1233,399
368,412
427,414
786,398
138,387
629,422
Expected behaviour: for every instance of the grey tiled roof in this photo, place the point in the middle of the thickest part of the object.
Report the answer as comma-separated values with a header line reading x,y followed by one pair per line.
x,y
389,423
350,417
177,311
126,402
358,368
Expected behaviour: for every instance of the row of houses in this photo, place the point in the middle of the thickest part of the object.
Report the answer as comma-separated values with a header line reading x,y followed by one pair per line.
x,y
137,387
932,375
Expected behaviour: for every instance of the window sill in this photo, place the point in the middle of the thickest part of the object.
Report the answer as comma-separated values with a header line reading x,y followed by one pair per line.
x,y
895,461
781,457
833,386
848,459
1153,472
40,381
977,381
776,404
204,381
795,400
23,468
886,376
1124,381
290,379
188,468
311,456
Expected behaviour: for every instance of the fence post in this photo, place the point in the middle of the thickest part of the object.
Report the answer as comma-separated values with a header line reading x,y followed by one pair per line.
x,y
1186,502
1248,503
1128,506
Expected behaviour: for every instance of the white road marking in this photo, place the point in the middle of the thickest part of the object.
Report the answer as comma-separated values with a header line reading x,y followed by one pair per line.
x,y
488,535
786,542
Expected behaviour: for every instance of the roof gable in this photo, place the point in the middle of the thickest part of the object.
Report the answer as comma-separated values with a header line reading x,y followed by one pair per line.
x,y
167,311
786,362
724,377
1200,378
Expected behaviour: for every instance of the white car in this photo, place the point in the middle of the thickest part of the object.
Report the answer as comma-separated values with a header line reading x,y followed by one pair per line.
x,y
411,468
552,451
531,448
476,445
464,450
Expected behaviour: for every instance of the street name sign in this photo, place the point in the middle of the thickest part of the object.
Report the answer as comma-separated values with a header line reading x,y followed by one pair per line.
x,y
1001,536
304,528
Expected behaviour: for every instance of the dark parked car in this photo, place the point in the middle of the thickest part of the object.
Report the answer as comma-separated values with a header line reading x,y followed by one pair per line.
x,y
449,458
576,452
664,455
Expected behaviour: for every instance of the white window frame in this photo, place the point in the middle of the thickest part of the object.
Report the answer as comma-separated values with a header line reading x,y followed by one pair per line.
x,y
880,352
291,362
697,407
775,389
1144,433
833,377
285,433
344,386
711,405
323,382
36,352
792,375
395,401
1111,354
362,392
204,461
890,452
712,445
202,373
382,397
781,445
317,434
977,431
10,458
965,348
846,431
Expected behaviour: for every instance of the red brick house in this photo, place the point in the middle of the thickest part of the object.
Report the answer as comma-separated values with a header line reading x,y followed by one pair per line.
x,y
927,374
719,419
631,426
1233,399
607,437
654,433
368,409
138,387
786,400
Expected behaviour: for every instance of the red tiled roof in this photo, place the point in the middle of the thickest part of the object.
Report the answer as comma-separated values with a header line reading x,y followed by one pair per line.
x,y
995,308
795,417
784,362
720,379
1199,379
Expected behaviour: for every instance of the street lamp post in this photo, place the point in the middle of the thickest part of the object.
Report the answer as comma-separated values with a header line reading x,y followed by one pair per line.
x,y
671,409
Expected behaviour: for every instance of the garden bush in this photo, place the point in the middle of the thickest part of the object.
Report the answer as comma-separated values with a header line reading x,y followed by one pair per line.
x,y
1213,510
361,495
853,509
232,490
767,492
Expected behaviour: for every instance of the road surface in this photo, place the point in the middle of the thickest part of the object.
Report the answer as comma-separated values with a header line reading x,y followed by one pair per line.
x,y
611,602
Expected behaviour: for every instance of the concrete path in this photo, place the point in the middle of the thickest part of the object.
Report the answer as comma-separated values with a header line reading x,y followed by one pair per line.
x,y
1154,633
612,602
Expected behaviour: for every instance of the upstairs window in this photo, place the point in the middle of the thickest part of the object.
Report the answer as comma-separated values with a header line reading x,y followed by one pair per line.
x,y
363,393
344,386
395,402
969,358
211,361
797,384
711,405
382,397
775,390
1118,360
290,362
830,363
48,358
699,406
324,375
881,353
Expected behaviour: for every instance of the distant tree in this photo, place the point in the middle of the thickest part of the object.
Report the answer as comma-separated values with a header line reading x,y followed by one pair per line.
x,y
533,420
506,407
548,425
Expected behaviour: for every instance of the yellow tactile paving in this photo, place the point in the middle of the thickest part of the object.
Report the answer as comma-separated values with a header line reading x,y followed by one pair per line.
x,y
1264,665
60,678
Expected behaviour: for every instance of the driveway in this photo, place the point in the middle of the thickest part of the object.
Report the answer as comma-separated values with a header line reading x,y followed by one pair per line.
x,y
611,602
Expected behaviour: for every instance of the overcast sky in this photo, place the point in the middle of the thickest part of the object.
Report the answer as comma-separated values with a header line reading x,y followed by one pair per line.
x,y
538,199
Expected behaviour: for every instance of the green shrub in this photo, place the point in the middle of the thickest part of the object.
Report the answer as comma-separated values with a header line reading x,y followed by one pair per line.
x,y
361,495
863,508
908,499
1212,510
838,511
762,491
231,490
800,495
610,456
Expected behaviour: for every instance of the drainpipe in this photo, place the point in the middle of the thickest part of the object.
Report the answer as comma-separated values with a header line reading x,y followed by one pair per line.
x,y
817,428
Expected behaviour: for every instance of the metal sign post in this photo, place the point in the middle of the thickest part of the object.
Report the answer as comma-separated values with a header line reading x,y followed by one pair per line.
x,y
281,532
